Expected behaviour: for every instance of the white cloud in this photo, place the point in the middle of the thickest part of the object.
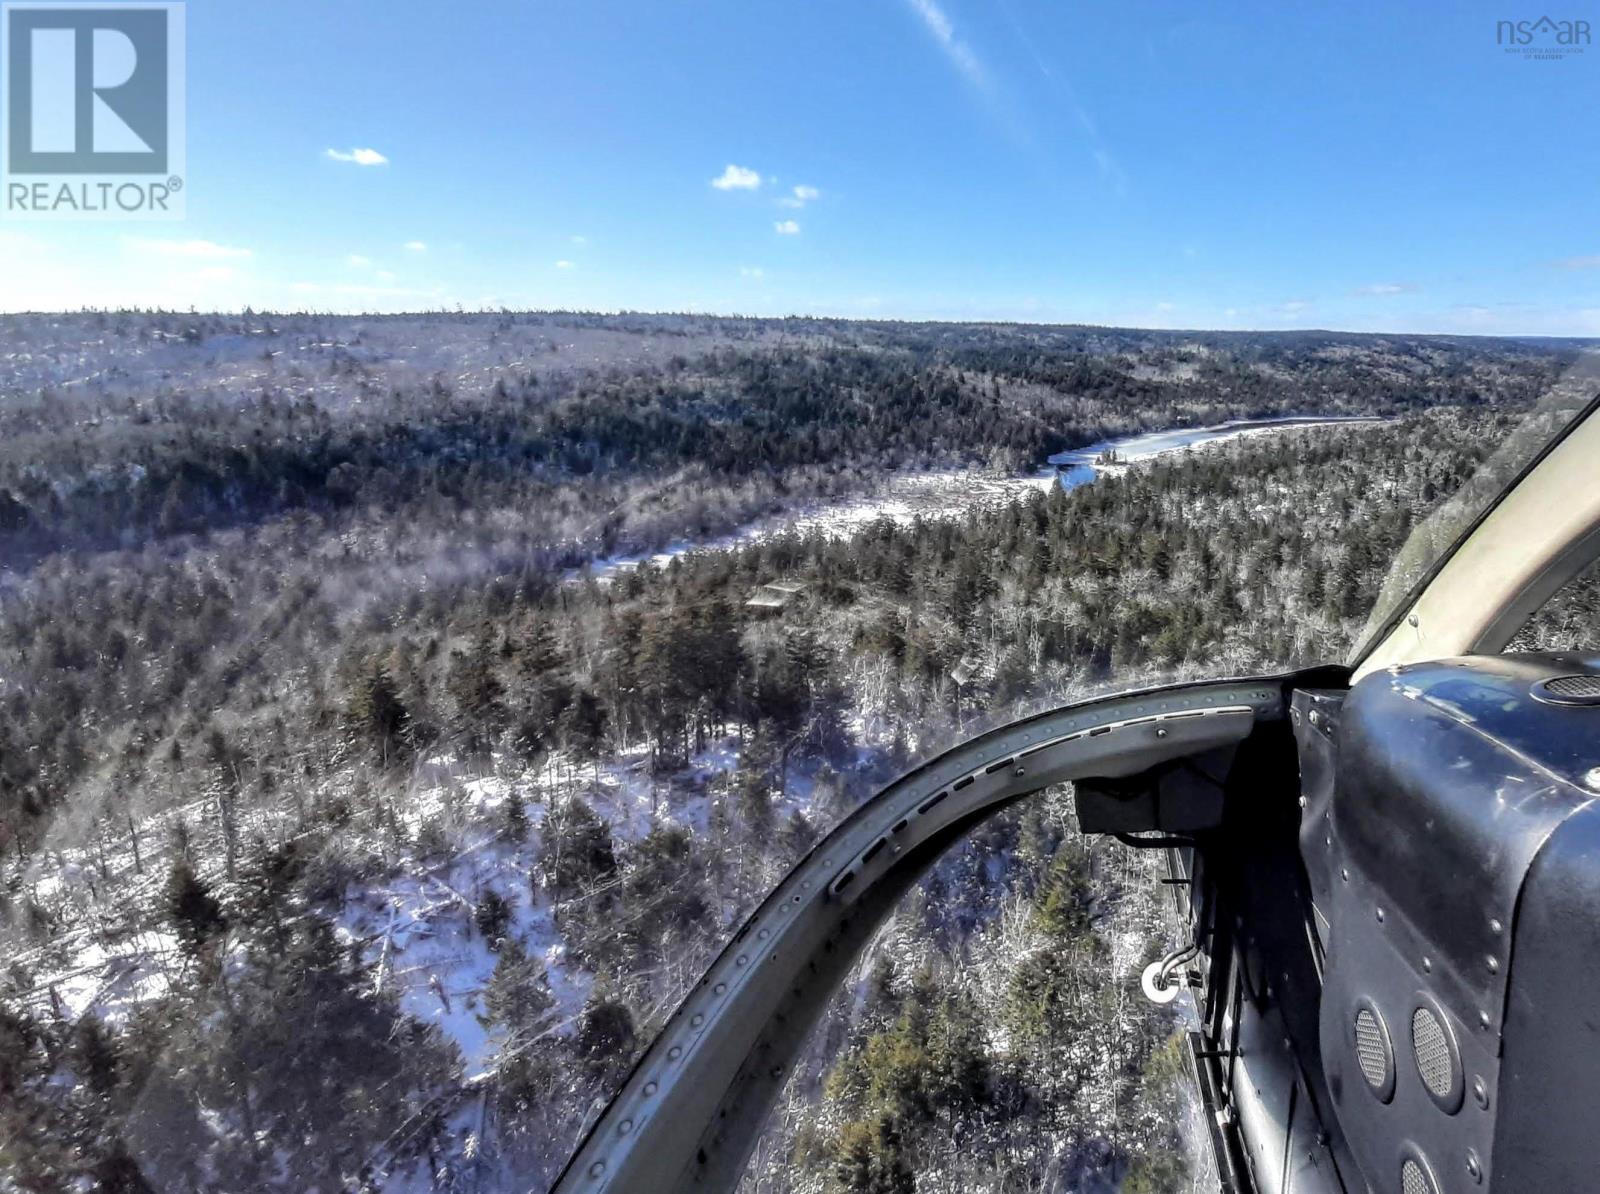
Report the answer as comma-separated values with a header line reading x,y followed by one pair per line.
x,y
786,228
357,260
802,195
202,249
416,246
564,265
1385,289
579,241
358,156
1590,262
752,271
384,275
959,53
737,178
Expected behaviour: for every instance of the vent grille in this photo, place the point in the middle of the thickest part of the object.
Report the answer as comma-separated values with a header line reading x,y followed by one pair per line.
x,y
1575,686
1414,1179
1432,1048
1569,690
1372,1050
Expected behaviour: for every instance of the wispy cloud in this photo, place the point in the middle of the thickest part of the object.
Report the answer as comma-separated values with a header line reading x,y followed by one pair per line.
x,y
787,228
357,260
1590,262
416,246
1110,169
960,54
737,178
1106,163
752,271
564,265
800,196
579,241
1384,289
358,156
201,249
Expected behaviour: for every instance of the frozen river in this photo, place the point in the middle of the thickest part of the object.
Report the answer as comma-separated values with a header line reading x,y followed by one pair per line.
x,y
1078,466
952,493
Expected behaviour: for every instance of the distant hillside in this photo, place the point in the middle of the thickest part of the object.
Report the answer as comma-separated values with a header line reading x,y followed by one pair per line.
x,y
121,429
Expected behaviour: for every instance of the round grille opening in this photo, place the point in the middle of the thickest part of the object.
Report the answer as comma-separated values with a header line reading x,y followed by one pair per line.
x,y
1432,1047
1369,1048
1414,1179
1374,1053
1438,1058
1569,690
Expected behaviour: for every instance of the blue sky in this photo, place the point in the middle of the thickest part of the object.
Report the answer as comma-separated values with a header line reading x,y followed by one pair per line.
x,y
1367,166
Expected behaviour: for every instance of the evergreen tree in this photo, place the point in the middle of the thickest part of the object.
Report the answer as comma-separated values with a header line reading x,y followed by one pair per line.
x,y
478,695
515,826
492,915
606,1038
194,912
377,714
578,851
870,1159
517,997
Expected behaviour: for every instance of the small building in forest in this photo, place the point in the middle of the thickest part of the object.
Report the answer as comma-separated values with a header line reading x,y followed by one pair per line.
x,y
775,597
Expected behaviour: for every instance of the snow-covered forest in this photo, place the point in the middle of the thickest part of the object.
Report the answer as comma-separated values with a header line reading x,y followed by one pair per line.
x,y
356,834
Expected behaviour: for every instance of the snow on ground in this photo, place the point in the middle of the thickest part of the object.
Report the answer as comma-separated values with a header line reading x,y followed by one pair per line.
x,y
416,927
111,949
112,979
903,500
953,493
416,924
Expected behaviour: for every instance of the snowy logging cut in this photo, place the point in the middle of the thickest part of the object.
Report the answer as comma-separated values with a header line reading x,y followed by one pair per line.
x,y
357,833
